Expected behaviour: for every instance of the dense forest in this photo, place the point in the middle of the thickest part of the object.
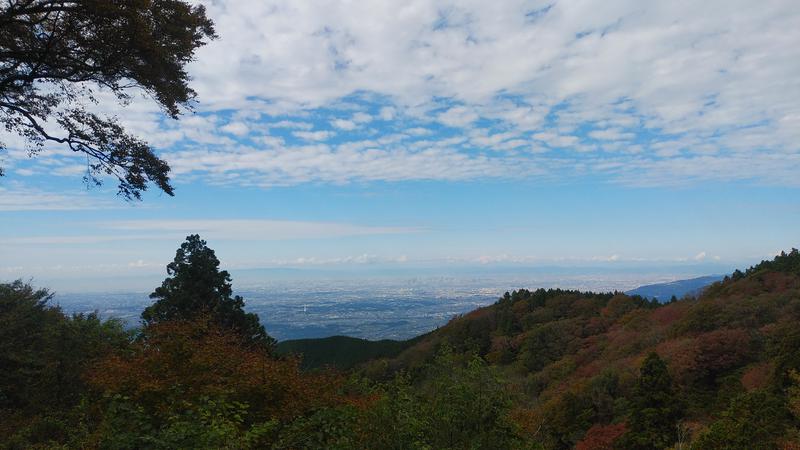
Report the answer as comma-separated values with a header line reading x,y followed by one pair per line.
x,y
341,352
544,369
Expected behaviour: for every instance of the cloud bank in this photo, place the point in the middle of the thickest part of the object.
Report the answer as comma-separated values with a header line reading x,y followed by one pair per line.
x,y
642,93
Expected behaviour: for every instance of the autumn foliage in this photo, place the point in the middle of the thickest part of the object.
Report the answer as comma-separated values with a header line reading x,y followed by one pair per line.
x,y
184,360
601,437
579,355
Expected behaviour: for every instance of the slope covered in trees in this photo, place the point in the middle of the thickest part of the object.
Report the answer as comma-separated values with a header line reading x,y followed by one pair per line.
x,y
341,352
545,369
576,361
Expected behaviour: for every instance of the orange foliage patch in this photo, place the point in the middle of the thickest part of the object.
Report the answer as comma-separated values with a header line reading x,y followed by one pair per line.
x,y
519,309
675,348
780,281
182,361
596,325
529,421
757,377
622,342
601,437
618,306
479,313
590,369
500,343
668,314
707,353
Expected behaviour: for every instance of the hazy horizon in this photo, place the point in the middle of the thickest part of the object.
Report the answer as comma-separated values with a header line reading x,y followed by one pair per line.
x,y
441,134
378,306
519,276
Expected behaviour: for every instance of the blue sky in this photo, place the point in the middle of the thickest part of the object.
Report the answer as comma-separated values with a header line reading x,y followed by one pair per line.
x,y
441,134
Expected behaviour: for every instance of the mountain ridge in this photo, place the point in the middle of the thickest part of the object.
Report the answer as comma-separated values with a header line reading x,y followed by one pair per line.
x,y
678,288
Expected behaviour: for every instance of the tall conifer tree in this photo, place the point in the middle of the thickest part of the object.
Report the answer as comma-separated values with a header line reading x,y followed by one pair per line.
x,y
196,286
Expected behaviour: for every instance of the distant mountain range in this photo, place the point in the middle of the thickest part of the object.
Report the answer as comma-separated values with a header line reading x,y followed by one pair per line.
x,y
680,288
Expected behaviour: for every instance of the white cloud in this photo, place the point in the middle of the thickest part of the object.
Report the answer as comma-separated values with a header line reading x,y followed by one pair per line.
x,y
236,128
713,84
346,260
350,162
418,131
557,140
387,113
253,230
271,141
141,264
20,198
458,116
611,258
313,135
361,117
484,139
537,260
611,134
498,259
343,124
73,240
291,124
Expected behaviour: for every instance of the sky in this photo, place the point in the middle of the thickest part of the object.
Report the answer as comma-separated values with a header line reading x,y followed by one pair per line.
x,y
423,134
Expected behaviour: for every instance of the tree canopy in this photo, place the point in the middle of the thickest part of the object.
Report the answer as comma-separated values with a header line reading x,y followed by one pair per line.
x,y
196,286
55,56
43,351
655,407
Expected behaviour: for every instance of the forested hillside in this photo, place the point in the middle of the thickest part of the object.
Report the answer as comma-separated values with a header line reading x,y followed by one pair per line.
x,y
341,352
544,369
575,362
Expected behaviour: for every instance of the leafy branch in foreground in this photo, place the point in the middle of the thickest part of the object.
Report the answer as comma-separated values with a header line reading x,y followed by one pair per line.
x,y
55,55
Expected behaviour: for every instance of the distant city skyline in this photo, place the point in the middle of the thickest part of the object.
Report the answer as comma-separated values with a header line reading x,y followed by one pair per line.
x,y
437,135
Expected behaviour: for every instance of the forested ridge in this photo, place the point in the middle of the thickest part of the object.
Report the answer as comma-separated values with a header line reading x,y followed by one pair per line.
x,y
543,369
575,362
341,352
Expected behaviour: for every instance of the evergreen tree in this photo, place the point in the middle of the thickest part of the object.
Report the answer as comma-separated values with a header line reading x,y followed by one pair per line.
x,y
655,410
195,285
753,421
